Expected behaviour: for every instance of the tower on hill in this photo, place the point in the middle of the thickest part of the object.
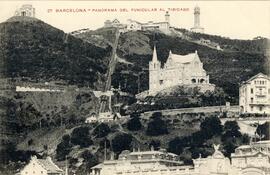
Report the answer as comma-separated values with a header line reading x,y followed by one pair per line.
x,y
26,10
167,17
197,28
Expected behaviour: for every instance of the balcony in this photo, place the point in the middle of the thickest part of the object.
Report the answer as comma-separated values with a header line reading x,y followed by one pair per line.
x,y
260,102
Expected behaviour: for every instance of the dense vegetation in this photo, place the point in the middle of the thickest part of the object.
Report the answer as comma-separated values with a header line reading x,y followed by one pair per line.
x,y
181,97
156,125
240,60
38,52
211,131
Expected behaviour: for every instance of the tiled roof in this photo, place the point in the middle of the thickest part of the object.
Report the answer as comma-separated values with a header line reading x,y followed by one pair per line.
x,y
49,165
261,75
183,58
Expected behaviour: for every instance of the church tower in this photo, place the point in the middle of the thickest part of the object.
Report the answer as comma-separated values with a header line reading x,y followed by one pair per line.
x,y
167,17
154,68
197,28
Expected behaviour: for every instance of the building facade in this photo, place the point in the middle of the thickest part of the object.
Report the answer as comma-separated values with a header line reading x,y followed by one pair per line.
x,y
253,159
117,24
41,167
250,159
197,27
133,25
138,163
26,10
254,95
178,70
163,26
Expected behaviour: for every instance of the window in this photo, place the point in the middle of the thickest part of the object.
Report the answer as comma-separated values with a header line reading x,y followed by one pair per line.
x,y
260,108
251,90
160,81
251,108
251,99
41,172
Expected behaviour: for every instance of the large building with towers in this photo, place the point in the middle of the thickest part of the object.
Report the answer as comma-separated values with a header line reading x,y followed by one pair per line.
x,y
178,70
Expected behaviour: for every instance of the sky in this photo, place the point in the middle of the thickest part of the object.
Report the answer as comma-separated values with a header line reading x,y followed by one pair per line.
x,y
233,19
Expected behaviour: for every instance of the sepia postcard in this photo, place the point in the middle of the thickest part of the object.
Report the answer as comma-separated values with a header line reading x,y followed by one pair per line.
x,y
134,87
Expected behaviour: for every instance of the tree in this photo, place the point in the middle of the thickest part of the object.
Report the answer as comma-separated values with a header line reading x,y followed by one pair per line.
x,y
89,159
134,124
102,130
211,126
121,142
80,136
157,126
263,130
63,148
178,144
155,144
231,130
229,147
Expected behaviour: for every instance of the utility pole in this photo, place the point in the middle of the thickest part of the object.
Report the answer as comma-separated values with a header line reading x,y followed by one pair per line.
x,y
66,173
105,150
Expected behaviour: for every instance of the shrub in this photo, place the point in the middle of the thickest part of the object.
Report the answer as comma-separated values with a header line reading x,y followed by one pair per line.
x,y
30,142
63,148
157,126
121,142
263,130
155,144
80,136
102,130
134,124
89,159
211,126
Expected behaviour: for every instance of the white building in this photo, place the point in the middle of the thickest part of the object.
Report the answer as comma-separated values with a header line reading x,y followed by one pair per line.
x,y
254,95
116,23
41,167
253,159
178,70
138,163
197,28
163,26
216,164
26,10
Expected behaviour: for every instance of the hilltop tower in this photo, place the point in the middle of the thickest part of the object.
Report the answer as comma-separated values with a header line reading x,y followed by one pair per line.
x,y
197,28
167,17
197,16
26,10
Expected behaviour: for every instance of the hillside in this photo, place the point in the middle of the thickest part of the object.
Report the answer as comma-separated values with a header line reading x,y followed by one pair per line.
x,y
34,51
239,59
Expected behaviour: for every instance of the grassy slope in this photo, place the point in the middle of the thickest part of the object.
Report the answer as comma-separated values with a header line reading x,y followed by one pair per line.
x,y
34,49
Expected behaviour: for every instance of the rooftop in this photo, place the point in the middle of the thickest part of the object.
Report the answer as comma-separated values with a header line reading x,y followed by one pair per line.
x,y
183,58
48,165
